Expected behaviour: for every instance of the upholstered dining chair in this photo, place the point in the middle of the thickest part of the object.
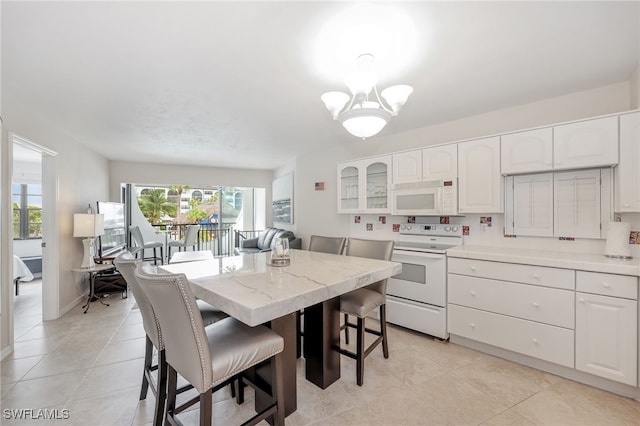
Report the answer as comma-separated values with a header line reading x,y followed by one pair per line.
x,y
190,239
363,301
212,357
323,244
319,243
138,239
126,264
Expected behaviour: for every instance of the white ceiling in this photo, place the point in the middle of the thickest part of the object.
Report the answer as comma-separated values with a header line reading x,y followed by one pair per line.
x,y
238,84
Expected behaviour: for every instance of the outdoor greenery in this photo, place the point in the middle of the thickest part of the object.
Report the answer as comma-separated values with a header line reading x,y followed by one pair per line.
x,y
195,213
34,221
179,189
154,205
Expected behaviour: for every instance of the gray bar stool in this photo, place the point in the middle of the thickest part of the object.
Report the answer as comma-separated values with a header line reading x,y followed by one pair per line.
x,y
210,358
126,264
361,302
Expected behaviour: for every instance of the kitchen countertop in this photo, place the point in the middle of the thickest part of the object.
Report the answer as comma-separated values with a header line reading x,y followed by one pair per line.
x,y
555,259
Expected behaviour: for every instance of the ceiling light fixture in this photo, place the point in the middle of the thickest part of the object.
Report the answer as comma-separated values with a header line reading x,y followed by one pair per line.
x,y
364,117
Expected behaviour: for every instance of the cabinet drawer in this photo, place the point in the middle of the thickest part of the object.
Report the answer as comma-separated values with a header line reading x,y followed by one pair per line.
x,y
553,344
607,284
546,305
527,274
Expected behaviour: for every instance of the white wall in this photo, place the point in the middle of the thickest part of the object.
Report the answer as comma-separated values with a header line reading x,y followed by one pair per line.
x,y
635,88
316,210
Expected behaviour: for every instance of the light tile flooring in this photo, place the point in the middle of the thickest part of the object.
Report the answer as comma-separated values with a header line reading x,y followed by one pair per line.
x,y
91,366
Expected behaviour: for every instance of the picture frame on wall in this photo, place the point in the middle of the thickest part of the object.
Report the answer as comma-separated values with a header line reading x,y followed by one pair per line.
x,y
282,204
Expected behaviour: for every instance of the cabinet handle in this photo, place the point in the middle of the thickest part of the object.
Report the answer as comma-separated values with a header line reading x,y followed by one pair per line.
x,y
473,268
535,341
606,285
536,305
626,204
581,300
472,325
536,276
473,293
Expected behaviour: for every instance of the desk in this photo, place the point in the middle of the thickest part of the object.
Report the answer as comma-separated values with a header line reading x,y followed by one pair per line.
x,y
20,272
191,256
93,271
248,289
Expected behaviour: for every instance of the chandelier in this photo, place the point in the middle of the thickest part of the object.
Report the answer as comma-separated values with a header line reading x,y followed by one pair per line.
x,y
365,114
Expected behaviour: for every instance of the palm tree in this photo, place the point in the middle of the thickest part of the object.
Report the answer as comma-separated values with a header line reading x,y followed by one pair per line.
x,y
179,189
154,204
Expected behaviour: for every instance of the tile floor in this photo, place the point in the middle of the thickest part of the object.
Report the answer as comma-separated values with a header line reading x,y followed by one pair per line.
x,y
91,366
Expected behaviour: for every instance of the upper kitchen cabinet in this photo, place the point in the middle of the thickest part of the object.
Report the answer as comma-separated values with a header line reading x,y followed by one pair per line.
x,y
526,152
407,166
440,162
363,185
628,170
479,179
590,143
436,163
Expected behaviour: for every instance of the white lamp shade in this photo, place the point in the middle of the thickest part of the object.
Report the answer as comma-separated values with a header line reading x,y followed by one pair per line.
x,y
364,122
335,101
396,96
88,225
360,82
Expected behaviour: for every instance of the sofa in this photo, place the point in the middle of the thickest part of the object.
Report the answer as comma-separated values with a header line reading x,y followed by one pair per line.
x,y
266,240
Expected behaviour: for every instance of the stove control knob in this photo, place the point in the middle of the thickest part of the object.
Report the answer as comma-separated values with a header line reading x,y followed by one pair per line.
x,y
454,229
408,227
447,228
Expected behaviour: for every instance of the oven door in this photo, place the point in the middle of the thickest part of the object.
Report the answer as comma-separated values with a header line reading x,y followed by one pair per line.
x,y
423,277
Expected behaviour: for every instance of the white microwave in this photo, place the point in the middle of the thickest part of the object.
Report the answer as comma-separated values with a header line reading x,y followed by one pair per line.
x,y
428,198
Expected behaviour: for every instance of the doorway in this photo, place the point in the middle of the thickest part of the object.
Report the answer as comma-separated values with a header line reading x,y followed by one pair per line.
x,y
33,195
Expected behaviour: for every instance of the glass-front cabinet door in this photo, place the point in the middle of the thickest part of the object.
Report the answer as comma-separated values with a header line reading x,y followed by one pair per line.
x,y
378,179
363,185
348,189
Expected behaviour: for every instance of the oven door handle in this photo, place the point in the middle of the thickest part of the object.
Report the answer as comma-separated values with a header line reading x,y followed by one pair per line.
x,y
413,254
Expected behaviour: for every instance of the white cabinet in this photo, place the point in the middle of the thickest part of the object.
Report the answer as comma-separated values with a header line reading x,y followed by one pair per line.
x,y
436,163
526,152
479,179
628,170
440,162
607,327
407,167
529,205
522,308
577,204
363,185
590,143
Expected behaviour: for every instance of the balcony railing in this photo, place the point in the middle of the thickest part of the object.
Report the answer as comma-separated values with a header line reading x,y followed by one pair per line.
x,y
220,241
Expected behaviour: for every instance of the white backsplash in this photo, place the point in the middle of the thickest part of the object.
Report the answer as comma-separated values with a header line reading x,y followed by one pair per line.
x,y
484,234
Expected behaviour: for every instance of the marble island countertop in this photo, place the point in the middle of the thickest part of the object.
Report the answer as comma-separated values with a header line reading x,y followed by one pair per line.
x,y
578,261
249,289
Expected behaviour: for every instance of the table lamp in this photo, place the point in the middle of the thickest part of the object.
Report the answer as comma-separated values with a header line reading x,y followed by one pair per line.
x,y
88,226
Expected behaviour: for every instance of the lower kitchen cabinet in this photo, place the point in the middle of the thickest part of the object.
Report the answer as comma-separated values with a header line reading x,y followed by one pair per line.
x,y
549,343
607,327
529,310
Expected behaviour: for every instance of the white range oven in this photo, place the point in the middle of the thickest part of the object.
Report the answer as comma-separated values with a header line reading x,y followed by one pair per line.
x,y
417,297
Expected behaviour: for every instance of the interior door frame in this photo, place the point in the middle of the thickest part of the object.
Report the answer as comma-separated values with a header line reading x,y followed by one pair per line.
x,y
49,182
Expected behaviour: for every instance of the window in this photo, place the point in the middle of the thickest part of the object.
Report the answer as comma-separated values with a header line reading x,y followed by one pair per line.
x,y
27,211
